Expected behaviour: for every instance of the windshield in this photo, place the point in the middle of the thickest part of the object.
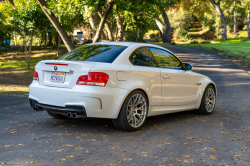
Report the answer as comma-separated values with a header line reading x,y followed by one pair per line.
x,y
94,53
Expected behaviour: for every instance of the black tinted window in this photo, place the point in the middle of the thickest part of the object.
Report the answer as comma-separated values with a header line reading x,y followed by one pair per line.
x,y
142,57
165,59
94,53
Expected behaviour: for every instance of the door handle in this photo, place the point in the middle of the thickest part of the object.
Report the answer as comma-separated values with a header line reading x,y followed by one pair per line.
x,y
166,76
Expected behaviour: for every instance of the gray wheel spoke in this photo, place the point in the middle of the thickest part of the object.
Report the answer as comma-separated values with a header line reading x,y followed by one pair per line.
x,y
209,100
141,107
136,110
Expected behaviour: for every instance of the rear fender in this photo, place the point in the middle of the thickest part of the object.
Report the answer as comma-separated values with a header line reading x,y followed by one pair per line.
x,y
134,88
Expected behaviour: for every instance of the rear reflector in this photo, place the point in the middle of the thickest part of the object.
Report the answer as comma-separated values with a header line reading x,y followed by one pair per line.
x,y
56,64
93,79
35,75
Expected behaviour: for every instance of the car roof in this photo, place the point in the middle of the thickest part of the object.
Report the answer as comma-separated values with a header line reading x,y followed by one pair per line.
x,y
121,43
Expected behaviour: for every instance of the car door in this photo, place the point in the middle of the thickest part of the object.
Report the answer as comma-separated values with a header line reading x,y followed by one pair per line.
x,y
146,69
178,86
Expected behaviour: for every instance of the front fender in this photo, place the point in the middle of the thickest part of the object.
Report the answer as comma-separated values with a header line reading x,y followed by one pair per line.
x,y
205,82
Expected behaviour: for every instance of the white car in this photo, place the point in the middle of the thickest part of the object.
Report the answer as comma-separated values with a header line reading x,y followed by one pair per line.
x,y
123,81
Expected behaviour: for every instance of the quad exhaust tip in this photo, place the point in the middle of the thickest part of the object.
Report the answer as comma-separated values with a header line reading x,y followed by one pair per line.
x,y
35,108
69,115
74,115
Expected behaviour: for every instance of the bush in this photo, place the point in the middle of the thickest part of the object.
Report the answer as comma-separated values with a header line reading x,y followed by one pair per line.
x,y
237,35
194,42
152,35
243,34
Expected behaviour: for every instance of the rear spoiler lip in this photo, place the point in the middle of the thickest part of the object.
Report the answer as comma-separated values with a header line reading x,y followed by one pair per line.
x,y
56,64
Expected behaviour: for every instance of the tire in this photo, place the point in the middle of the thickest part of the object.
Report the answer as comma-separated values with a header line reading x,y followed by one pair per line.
x,y
133,112
205,109
57,116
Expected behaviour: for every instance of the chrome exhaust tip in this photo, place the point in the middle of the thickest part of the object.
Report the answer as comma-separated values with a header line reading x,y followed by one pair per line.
x,y
35,108
74,115
69,115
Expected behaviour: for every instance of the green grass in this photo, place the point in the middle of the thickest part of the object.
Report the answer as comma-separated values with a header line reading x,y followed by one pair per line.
x,y
14,75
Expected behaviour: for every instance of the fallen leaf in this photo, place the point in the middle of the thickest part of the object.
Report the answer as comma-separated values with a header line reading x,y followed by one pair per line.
x,y
213,157
62,159
69,145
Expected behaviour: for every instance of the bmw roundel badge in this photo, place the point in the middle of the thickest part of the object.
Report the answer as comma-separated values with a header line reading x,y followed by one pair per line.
x,y
55,67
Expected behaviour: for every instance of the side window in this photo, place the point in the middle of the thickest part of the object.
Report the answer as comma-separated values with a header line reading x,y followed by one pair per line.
x,y
165,59
142,57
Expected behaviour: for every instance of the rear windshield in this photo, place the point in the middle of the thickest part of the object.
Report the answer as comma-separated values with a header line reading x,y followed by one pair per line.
x,y
94,53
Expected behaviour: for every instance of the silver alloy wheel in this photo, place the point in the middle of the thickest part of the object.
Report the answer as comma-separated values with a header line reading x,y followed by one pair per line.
x,y
136,110
209,100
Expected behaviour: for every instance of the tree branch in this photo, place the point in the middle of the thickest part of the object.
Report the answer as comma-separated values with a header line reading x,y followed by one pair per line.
x,y
43,4
110,4
107,26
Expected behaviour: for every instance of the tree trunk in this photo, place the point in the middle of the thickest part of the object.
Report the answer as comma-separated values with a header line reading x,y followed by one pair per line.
x,y
116,31
14,38
107,26
104,35
91,21
159,24
166,31
95,21
25,46
43,4
235,20
120,28
110,4
40,44
58,46
50,40
222,18
45,39
31,37
248,19
110,34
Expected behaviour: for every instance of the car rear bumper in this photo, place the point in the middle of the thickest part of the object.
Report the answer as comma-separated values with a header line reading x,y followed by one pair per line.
x,y
99,102
78,109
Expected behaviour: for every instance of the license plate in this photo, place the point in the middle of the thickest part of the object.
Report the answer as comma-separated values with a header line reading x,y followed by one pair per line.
x,y
57,77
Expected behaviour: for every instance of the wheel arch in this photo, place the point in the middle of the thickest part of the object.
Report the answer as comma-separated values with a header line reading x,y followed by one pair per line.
x,y
136,88
207,84
213,84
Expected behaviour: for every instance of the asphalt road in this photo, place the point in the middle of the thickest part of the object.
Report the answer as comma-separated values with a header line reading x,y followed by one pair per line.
x,y
223,138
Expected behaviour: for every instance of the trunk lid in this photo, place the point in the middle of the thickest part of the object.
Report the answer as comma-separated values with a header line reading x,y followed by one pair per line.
x,y
71,70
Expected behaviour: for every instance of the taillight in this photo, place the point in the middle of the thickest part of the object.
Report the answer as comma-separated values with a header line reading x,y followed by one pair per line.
x,y
35,75
94,79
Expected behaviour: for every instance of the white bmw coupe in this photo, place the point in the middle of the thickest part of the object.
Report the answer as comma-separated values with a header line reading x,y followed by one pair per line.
x,y
123,81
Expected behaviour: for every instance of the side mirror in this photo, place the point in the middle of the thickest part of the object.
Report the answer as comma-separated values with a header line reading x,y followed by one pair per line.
x,y
188,66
